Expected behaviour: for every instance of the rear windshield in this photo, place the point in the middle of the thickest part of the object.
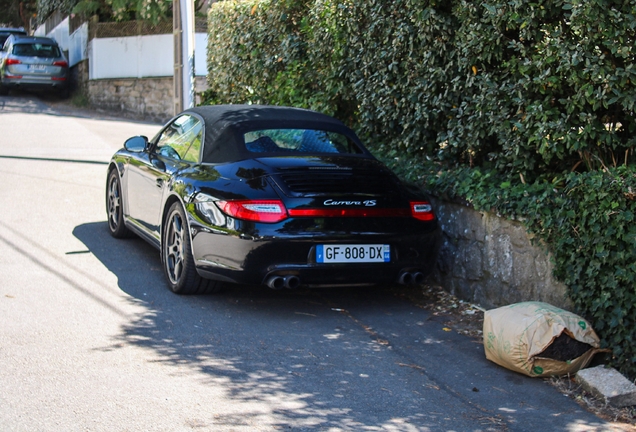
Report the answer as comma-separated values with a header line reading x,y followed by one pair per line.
x,y
36,50
298,141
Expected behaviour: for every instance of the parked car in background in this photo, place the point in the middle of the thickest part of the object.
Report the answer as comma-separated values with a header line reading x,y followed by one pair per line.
x,y
5,32
279,196
33,63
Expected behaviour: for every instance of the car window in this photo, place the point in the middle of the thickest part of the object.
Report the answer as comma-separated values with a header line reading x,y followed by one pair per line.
x,y
36,50
298,141
181,139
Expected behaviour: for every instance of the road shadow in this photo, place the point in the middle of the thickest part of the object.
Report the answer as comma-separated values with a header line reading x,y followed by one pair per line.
x,y
259,344
354,359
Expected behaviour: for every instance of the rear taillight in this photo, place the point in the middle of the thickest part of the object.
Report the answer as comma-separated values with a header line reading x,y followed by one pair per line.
x,y
422,210
349,212
60,63
11,61
254,210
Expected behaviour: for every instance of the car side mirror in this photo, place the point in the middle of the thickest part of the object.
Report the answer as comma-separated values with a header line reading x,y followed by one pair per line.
x,y
136,144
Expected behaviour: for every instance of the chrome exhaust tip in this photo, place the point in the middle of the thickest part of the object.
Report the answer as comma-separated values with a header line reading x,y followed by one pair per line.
x,y
418,278
275,282
411,278
405,278
291,282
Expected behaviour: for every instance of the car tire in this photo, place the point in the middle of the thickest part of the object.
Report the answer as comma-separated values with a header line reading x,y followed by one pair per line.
x,y
114,209
4,91
176,256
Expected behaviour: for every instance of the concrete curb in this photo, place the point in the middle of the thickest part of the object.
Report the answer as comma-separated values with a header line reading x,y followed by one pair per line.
x,y
609,384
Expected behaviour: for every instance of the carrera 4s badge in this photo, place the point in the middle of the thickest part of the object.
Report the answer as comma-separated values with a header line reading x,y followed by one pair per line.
x,y
366,203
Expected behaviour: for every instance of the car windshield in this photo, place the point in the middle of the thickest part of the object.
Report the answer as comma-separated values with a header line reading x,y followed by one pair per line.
x,y
298,141
36,50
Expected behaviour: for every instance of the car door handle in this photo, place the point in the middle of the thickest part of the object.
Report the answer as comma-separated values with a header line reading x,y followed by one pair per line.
x,y
160,183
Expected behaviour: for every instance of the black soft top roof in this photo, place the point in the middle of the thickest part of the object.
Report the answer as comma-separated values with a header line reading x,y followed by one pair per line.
x,y
226,124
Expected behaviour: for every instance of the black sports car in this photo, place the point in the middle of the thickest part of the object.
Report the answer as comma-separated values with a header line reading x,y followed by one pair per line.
x,y
268,195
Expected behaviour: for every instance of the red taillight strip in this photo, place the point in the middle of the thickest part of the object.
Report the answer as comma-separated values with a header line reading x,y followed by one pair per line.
x,y
60,63
420,210
13,61
272,211
58,78
349,212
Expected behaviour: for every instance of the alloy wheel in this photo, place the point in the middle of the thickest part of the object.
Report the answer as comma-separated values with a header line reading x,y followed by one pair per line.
x,y
174,248
114,203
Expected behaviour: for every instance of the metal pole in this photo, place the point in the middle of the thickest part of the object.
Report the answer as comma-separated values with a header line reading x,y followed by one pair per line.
x,y
187,19
184,83
177,82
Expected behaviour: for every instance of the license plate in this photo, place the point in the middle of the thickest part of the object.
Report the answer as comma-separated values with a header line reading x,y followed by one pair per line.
x,y
37,68
348,253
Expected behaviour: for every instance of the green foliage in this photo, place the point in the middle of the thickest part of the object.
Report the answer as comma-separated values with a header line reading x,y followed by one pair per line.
x,y
148,10
46,7
521,107
108,10
273,58
16,13
550,86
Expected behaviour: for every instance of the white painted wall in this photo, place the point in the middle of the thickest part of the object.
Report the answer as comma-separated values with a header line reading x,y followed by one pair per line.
x,y
140,56
201,54
60,34
125,57
131,57
78,44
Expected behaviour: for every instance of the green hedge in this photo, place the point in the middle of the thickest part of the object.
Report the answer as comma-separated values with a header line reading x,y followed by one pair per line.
x,y
524,107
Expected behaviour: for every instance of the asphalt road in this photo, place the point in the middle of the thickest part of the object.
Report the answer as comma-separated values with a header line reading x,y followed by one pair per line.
x,y
92,340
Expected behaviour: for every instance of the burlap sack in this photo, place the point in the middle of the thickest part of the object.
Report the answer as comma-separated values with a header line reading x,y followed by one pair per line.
x,y
516,335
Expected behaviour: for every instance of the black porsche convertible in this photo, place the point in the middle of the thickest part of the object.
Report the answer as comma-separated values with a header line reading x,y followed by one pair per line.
x,y
279,196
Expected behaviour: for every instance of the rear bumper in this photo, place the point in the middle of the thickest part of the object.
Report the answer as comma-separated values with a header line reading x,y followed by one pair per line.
x,y
30,83
254,260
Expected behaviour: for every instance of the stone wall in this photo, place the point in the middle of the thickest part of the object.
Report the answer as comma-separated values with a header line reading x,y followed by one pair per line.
x,y
79,77
148,99
491,261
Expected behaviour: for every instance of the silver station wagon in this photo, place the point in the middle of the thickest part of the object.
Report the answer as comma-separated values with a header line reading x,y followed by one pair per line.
x,y
33,63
